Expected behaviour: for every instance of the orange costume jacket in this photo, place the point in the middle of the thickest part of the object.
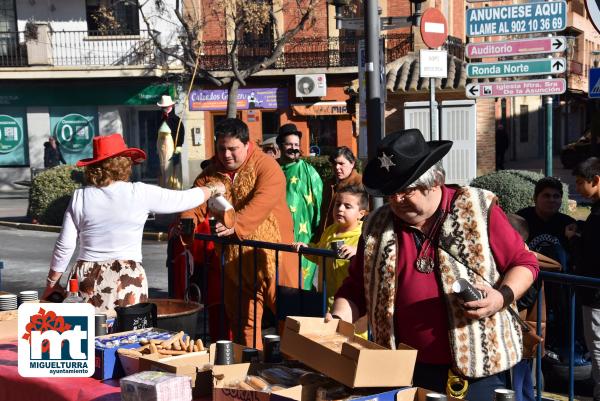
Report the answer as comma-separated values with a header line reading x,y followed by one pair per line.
x,y
258,195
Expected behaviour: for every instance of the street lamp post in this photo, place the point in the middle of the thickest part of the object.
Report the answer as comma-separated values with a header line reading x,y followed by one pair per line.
x,y
569,54
595,122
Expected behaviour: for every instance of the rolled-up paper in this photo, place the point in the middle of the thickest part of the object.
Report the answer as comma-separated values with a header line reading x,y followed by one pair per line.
x,y
463,289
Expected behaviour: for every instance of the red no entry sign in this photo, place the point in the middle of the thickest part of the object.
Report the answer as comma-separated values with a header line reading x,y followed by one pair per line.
x,y
434,28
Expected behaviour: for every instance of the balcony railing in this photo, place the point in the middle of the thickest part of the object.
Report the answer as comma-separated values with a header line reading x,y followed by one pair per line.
x,y
90,48
82,48
316,52
455,47
12,50
101,48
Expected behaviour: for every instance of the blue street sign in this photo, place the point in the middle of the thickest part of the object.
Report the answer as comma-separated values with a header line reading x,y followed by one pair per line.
x,y
594,83
517,19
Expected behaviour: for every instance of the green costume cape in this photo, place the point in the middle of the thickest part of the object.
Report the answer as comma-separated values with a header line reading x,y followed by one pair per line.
x,y
304,190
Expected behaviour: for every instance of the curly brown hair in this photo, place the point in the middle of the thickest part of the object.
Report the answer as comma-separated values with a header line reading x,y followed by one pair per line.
x,y
105,172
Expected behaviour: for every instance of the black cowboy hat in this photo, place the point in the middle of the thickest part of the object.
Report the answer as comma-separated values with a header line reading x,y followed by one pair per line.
x,y
402,157
285,130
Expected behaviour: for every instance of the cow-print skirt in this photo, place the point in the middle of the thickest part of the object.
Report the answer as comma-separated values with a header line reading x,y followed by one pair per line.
x,y
111,283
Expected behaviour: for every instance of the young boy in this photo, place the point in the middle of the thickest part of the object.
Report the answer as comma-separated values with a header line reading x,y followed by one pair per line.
x,y
585,242
350,206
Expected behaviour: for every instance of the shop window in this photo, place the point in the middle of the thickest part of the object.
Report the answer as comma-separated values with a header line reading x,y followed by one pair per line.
x,y
270,124
524,123
323,133
112,17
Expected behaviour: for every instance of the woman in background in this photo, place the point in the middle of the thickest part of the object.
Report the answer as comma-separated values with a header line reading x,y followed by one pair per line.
x,y
343,164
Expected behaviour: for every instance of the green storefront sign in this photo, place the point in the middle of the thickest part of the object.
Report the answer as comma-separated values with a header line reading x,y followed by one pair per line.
x,y
123,92
11,134
74,128
74,132
13,138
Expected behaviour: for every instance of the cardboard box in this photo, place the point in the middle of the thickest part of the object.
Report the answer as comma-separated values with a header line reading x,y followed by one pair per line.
x,y
349,359
224,374
107,361
131,364
192,365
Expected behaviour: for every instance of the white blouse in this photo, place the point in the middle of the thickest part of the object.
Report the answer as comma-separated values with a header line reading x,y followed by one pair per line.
x,y
109,221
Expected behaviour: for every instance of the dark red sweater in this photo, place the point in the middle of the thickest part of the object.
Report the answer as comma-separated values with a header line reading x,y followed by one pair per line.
x,y
420,316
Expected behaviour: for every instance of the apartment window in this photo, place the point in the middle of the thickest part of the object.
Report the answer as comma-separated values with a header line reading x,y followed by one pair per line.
x,y
112,17
266,36
524,123
8,20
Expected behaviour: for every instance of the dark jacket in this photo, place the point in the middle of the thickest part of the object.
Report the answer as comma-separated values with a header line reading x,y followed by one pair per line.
x,y
52,157
173,121
585,249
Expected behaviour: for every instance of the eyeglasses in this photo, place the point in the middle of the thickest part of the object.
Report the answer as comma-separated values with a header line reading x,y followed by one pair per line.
x,y
406,194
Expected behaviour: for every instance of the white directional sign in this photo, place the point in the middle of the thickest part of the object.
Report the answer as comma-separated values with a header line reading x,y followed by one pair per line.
x,y
517,88
513,68
518,47
433,63
517,19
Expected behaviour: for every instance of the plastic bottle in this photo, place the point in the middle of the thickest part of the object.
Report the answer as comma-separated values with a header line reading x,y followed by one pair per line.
x,y
73,294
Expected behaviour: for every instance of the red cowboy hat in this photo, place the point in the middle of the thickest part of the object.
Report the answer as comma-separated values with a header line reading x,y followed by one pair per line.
x,y
110,146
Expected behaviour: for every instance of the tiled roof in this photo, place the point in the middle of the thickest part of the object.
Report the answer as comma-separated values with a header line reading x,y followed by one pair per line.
x,y
402,75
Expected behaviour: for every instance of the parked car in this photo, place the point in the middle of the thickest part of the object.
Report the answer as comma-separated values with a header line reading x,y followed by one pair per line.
x,y
578,151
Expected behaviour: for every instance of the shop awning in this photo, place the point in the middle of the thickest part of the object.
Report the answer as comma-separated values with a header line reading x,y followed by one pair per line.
x,y
89,93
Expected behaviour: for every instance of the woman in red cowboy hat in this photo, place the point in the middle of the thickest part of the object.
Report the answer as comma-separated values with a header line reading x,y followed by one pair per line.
x,y
107,218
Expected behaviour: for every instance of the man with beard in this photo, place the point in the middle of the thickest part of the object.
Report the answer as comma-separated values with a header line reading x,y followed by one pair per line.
x,y
304,190
255,187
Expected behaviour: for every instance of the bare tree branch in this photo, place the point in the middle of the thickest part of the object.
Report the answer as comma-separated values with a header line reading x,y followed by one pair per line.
x,y
189,63
246,17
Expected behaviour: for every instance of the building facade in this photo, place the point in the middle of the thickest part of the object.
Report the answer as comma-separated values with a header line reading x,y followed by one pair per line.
x,y
68,73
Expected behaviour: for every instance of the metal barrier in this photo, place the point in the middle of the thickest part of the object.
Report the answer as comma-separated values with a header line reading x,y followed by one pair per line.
x,y
571,281
306,298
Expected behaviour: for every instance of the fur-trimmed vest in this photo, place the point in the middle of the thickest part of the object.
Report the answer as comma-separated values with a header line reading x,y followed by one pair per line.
x,y
479,348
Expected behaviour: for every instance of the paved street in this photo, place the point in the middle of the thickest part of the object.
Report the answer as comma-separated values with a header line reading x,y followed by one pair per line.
x,y
26,254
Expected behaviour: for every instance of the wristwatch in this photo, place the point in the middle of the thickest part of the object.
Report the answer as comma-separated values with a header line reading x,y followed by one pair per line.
x,y
508,295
